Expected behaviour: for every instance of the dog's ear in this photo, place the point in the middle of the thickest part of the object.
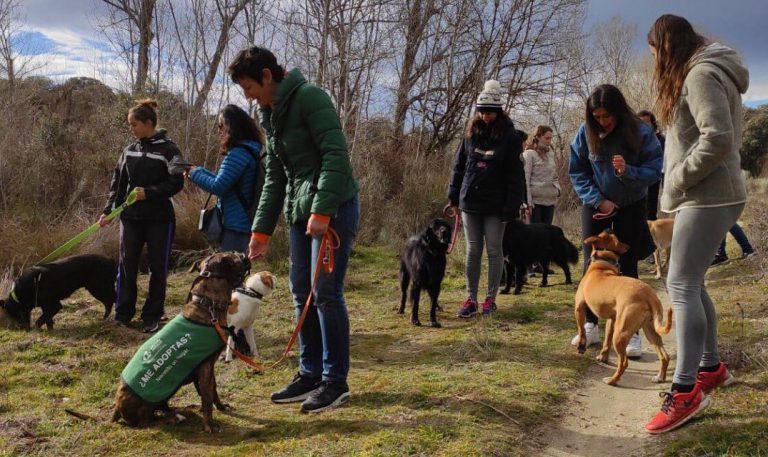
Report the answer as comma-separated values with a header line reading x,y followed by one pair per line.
x,y
267,278
195,267
621,248
591,240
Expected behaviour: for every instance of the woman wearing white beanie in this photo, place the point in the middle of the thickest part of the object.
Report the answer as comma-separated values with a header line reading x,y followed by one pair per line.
x,y
488,185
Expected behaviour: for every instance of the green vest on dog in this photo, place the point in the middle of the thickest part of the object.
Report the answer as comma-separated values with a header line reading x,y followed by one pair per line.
x,y
161,364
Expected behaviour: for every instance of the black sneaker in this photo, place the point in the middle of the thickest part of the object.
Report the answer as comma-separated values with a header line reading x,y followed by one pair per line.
x,y
330,394
298,390
719,259
151,327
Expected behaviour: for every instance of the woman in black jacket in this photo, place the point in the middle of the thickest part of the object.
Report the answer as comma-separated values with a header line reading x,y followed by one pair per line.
x,y
488,186
146,165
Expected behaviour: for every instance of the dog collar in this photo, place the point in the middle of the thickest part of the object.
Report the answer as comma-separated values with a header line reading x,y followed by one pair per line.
x,y
207,302
615,263
13,295
250,292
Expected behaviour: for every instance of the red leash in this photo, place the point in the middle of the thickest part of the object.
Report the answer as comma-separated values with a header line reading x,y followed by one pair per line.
x,y
329,244
451,212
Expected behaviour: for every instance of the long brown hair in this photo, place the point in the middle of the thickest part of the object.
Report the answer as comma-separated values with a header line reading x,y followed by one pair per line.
x,y
239,126
495,130
675,42
611,99
533,140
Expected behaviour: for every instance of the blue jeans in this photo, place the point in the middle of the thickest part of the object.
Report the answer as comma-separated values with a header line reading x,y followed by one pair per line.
x,y
234,241
740,237
324,338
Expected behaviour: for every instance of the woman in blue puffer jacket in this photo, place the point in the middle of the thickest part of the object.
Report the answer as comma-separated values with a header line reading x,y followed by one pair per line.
x,y
234,183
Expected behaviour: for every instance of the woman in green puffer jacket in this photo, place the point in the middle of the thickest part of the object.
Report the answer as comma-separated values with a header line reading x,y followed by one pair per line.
x,y
310,177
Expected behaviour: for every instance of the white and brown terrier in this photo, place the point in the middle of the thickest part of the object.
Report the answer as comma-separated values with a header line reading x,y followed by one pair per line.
x,y
242,312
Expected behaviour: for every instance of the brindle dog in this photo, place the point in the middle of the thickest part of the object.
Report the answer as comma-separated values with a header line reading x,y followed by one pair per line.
x,y
208,298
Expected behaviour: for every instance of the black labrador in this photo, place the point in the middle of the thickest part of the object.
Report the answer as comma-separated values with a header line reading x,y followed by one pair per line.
x,y
46,285
422,265
525,244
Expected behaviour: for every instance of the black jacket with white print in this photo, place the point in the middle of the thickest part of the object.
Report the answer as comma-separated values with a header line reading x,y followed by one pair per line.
x,y
147,163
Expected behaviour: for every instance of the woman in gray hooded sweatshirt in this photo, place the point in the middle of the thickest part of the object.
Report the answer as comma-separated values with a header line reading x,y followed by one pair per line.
x,y
699,86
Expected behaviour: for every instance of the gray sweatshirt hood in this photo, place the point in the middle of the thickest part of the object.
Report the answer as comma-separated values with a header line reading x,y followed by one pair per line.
x,y
727,60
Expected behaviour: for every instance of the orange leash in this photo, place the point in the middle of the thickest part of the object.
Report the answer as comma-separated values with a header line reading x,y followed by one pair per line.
x,y
450,212
325,259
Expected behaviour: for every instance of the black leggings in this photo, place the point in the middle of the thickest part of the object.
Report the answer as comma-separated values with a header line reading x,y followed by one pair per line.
x,y
543,214
630,227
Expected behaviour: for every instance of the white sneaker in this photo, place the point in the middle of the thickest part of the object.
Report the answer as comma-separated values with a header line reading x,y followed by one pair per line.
x,y
634,348
593,335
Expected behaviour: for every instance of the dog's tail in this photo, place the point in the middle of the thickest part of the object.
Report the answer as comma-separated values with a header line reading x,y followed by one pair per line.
x,y
571,253
658,316
80,416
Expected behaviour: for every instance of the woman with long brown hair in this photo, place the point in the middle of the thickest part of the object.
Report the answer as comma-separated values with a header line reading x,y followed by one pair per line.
x,y
488,186
241,143
541,175
699,86
614,158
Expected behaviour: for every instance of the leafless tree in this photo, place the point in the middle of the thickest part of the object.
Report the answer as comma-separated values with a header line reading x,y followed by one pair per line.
x,y
13,64
130,29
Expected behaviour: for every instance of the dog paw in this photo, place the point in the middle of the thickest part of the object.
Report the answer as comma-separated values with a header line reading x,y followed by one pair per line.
x,y
657,379
179,418
602,358
435,324
416,323
224,407
610,381
568,283
582,348
516,292
543,285
504,292
400,311
213,427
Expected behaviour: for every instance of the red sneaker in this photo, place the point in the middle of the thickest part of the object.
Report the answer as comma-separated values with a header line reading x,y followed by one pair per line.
x,y
489,305
677,409
708,380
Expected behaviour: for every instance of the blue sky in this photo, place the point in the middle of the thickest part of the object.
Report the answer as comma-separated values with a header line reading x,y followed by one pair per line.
x,y
63,34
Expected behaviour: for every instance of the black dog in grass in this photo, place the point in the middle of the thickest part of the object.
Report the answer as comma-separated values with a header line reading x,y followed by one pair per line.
x,y
422,265
525,244
46,285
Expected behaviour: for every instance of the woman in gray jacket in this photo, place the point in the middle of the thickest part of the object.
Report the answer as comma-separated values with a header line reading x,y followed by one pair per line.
x,y
699,86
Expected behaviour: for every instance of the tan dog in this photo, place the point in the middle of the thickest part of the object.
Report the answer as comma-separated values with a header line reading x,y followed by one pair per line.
x,y
627,304
661,231
244,306
149,380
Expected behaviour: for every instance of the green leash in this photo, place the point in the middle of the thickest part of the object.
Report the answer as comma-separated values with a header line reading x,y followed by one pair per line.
x,y
66,247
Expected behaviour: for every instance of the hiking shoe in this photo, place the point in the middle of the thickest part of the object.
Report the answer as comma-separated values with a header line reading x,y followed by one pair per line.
x,y
708,380
298,390
593,335
719,259
151,327
634,347
330,394
489,305
122,323
677,409
468,309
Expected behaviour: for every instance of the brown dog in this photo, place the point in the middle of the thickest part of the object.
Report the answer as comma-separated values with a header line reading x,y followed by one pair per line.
x,y
661,231
188,342
627,304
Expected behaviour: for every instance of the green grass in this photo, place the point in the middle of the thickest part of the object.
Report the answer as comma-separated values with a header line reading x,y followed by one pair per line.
x,y
474,387
480,387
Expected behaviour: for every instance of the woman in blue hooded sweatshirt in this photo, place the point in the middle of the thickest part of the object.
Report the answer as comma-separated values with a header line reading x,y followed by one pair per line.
x,y
241,145
614,158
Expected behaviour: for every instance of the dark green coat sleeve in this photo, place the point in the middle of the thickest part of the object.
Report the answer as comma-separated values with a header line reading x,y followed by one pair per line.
x,y
335,170
273,193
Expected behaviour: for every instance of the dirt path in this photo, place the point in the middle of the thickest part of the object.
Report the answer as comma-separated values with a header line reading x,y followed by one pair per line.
x,y
601,420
